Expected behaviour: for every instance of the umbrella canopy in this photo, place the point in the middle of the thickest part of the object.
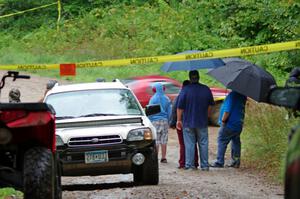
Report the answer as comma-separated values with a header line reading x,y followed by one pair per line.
x,y
245,78
192,64
230,59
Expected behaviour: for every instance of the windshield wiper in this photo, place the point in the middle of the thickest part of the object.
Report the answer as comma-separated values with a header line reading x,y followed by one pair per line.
x,y
64,117
97,114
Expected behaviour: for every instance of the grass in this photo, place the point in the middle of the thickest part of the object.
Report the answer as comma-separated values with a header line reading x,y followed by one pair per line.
x,y
6,192
265,138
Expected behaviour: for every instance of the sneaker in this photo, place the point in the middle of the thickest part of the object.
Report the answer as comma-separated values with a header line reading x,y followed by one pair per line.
x,y
190,168
163,160
205,169
180,167
234,165
216,165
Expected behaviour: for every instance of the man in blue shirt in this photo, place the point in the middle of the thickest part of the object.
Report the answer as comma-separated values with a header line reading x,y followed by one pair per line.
x,y
194,103
231,120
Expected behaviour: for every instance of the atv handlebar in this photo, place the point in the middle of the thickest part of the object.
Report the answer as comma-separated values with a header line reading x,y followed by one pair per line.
x,y
23,76
15,75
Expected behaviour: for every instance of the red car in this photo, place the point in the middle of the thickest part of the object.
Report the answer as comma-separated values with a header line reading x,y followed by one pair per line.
x,y
142,88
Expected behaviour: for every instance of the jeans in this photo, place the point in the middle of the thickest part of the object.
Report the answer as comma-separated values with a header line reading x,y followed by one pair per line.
x,y
191,137
224,137
182,150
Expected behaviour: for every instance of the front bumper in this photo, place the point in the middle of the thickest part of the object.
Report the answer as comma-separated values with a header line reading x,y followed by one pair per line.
x,y
73,163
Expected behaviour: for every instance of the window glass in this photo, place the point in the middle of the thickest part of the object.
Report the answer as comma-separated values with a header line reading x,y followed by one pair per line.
x,y
170,87
87,102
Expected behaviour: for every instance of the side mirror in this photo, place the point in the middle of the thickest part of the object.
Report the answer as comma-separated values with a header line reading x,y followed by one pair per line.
x,y
285,96
152,109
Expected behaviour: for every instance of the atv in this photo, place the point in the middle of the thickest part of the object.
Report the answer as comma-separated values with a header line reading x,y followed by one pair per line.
x,y
28,147
289,97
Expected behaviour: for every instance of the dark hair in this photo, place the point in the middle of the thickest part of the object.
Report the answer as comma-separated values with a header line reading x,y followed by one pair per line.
x,y
295,73
50,84
194,76
294,77
185,83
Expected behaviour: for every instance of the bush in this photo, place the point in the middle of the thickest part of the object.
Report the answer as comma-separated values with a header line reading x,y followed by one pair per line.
x,y
265,138
5,192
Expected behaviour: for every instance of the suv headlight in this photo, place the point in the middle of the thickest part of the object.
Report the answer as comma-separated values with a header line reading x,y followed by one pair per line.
x,y
59,141
139,134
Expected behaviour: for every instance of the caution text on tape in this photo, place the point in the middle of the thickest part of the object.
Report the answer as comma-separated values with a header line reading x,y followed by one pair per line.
x,y
251,50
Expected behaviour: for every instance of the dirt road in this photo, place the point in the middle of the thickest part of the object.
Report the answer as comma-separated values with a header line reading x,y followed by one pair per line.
x,y
174,183
177,183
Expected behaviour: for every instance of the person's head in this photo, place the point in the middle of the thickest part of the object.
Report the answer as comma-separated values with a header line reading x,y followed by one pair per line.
x,y
194,76
158,88
50,84
294,78
295,73
185,83
14,95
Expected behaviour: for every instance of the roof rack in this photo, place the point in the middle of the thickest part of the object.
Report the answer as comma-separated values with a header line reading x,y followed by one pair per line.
x,y
100,79
116,80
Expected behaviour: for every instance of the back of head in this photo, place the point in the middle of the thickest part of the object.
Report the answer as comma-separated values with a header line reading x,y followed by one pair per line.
x,y
295,72
194,76
14,95
294,78
185,83
158,88
50,84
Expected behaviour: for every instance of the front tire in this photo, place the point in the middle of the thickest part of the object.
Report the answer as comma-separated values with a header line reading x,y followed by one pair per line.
x,y
39,174
148,172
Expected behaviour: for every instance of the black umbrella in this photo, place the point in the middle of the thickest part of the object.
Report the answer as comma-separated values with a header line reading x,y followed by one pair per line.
x,y
230,59
246,78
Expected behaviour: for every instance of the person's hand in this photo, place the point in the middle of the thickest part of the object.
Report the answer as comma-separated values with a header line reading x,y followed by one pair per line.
x,y
179,125
223,123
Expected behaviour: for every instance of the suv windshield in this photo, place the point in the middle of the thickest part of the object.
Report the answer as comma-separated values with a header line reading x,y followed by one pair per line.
x,y
88,103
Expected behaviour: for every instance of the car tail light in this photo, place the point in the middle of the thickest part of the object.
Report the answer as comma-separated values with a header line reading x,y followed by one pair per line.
x,y
11,115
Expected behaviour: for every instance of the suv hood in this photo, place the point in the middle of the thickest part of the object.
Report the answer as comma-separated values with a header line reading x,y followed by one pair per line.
x,y
101,125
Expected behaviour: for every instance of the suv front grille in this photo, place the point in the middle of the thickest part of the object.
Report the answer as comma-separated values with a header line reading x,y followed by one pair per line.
x,y
95,140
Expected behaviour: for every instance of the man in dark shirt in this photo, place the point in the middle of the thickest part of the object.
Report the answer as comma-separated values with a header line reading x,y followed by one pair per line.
x,y
181,160
195,103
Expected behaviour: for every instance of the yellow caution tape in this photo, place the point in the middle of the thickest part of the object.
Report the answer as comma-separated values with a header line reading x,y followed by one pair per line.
x,y
252,50
29,67
29,10
59,14
219,98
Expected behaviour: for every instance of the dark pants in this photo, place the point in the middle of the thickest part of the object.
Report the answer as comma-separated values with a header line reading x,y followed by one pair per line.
x,y
182,150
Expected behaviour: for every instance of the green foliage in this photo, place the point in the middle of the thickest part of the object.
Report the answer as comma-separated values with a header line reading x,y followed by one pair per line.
x,y
265,21
20,25
112,29
5,192
99,29
265,138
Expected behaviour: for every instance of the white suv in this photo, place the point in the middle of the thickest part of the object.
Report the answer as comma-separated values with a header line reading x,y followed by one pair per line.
x,y
101,128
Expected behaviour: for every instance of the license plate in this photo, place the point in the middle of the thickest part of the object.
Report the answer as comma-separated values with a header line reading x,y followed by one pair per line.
x,y
96,156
